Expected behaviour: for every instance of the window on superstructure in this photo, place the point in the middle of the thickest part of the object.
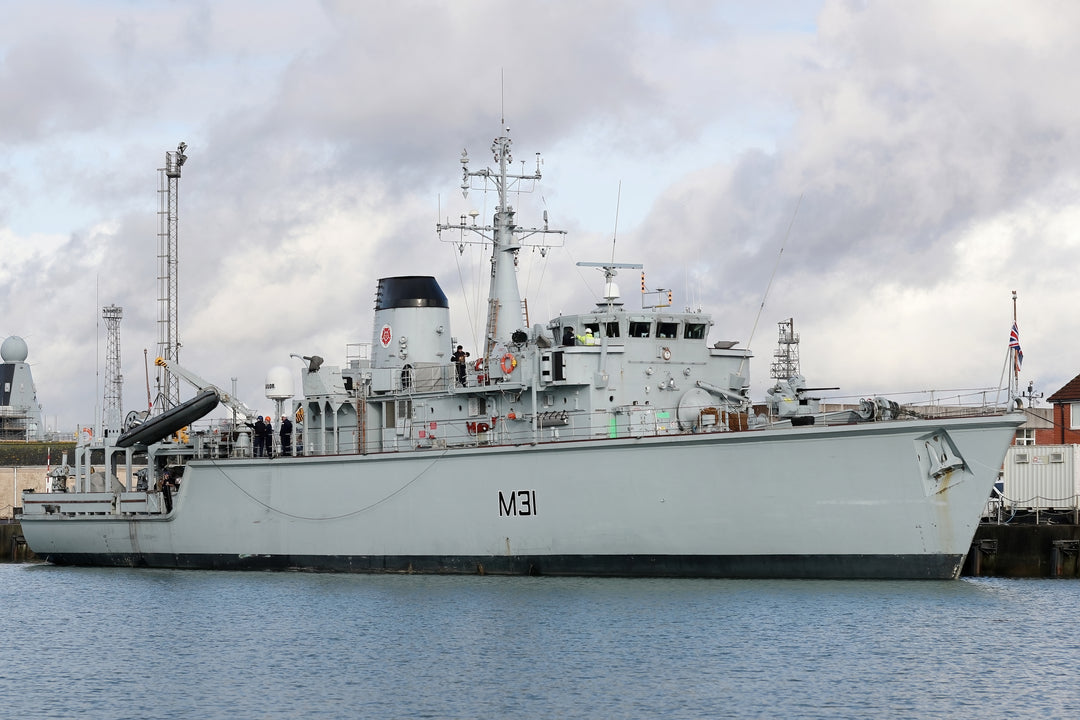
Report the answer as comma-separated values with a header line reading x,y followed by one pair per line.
x,y
694,331
612,329
595,327
667,330
640,329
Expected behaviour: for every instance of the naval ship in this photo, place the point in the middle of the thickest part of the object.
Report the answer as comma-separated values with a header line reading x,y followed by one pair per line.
x,y
612,442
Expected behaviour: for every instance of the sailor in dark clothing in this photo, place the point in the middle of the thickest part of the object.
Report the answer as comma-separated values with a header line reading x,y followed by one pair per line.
x,y
286,435
268,438
459,357
260,436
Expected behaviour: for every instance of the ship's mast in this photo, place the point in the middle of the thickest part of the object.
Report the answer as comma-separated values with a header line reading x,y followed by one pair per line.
x,y
505,312
168,386
786,358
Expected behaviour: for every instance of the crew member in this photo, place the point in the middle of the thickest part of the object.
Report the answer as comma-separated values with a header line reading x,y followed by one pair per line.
x,y
286,435
459,357
258,435
587,338
268,438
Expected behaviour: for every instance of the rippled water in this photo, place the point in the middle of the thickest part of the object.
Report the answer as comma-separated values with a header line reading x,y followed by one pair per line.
x,y
114,643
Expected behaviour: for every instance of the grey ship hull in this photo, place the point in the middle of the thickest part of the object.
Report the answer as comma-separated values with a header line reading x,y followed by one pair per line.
x,y
856,501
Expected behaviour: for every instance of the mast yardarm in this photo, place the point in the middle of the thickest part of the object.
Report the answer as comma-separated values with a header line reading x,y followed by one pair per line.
x,y
505,310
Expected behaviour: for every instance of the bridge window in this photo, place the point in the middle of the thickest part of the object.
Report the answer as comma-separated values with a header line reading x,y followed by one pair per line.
x,y
667,330
612,329
695,331
640,329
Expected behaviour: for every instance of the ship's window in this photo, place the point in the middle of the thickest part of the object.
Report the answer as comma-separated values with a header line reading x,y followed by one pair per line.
x,y
695,331
639,329
595,327
667,330
612,329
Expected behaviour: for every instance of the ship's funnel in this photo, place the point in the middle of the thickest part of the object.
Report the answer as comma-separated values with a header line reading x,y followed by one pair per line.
x,y
412,323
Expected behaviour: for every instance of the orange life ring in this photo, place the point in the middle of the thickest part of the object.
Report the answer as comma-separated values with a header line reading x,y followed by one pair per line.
x,y
509,362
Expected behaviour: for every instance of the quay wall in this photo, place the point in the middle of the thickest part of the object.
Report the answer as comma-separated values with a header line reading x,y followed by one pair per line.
x,y
13,480
1024,551
12,545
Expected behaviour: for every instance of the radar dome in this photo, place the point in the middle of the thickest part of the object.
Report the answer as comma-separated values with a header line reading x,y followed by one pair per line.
x,y
13,349
279,383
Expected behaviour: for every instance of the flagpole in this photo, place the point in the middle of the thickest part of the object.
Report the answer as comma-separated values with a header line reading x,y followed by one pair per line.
x,y
1016,367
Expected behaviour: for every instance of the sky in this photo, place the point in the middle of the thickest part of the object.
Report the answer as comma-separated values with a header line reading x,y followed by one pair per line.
x,y
886,174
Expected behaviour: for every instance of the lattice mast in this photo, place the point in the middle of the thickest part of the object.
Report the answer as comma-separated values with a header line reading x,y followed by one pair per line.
x,y
786,358
506,311
168,385
113,401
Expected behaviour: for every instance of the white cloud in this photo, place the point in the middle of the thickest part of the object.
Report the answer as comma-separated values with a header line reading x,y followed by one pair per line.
x,y
931,145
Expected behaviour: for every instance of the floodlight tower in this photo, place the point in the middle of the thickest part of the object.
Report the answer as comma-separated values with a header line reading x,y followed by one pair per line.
x,y
168,385
114,381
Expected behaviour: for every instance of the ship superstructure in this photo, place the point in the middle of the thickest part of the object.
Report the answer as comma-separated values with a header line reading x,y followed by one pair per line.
x,y
21,416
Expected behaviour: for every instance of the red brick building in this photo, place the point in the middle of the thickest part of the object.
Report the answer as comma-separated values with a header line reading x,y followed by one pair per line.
x,y
1066,416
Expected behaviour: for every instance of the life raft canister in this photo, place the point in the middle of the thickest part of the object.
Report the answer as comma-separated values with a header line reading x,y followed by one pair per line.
x,y
509,362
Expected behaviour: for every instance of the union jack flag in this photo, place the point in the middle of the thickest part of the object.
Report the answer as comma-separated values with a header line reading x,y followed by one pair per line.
x,y
1014,344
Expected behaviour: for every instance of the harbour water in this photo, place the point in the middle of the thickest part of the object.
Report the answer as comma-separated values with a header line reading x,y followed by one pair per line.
x,y
115,643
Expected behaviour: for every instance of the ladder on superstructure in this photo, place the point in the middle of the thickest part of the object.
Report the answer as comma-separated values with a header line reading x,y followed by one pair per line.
x,y
492,326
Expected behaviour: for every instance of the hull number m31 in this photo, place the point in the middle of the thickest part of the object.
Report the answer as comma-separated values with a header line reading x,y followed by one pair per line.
x,y
517,502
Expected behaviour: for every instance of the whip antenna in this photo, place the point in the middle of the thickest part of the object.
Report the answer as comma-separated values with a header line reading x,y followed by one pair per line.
x,y
768,287
615,232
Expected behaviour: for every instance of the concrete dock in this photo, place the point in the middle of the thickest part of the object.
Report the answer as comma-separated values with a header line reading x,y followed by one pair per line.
x,y
12,545
1024,550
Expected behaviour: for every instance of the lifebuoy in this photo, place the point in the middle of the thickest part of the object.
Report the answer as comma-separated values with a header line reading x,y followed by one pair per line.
x,y
482,427
509,362
478,365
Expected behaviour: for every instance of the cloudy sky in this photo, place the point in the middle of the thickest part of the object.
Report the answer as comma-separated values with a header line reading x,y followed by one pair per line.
x,y
885,173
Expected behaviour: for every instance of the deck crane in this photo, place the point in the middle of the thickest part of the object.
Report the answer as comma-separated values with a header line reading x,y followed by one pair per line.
x,y
243,412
